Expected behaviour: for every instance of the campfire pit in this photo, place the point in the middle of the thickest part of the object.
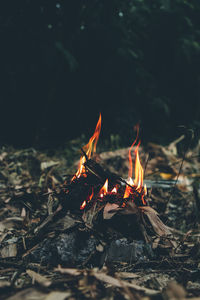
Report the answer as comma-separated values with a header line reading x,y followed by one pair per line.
x,y
113,220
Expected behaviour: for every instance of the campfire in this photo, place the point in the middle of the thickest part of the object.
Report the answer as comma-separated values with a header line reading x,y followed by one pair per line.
x,y
134,189
95,191
100,216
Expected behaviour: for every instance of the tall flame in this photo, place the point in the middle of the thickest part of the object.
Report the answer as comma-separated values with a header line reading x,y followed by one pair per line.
x,y
138,169
130,171
139,173
138,181
104,189
89,149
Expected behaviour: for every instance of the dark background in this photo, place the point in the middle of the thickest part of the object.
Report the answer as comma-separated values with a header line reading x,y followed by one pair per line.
x,y
64,61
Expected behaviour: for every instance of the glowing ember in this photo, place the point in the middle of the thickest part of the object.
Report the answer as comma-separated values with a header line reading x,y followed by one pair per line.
x,y
104,189
89,149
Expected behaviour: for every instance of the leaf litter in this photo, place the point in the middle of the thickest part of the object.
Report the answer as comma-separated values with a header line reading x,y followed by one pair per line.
x,y
31,185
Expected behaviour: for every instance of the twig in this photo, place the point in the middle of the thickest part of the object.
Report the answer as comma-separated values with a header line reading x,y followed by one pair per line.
x,y
179,172
172,164
84,153
124,181
146,163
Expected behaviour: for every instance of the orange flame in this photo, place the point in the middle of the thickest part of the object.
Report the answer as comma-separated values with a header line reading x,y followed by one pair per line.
x,y
83,205
90,148
128,188
104,189
91,196
130,171
139,173
138,169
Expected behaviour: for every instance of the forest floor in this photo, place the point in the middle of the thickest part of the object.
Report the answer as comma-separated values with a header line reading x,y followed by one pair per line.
x,y
27,178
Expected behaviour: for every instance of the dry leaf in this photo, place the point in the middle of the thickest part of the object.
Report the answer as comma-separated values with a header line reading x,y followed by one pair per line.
x,y
130,209
107,279
157,224
127,275
48,164
9,250
110,210
174,291
42,280
74,272
167,176
4,283
122,283
28,294
160,229
58,296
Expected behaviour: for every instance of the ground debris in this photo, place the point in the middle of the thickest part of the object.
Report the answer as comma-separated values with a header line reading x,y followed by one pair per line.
x,y
112,260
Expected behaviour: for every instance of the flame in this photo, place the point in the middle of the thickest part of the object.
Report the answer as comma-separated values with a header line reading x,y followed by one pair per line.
x,y
138,170
139,173
89,149
83,205
104,189
114,190
89,198
128,188
130,171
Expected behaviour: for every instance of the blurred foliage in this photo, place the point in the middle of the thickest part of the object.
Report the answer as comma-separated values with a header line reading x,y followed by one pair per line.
x,y
64,61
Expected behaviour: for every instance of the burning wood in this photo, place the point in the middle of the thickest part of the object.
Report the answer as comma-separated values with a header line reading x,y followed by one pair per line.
x,y
97,209
95,189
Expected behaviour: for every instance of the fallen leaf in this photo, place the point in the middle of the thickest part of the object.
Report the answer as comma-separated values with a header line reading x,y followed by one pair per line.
x,y
157,224
167,176
129,209
122,283
9,250
42,280
160,229
110,210
127,275
4,283
70,271
28,294
58,296
174,291
48,164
